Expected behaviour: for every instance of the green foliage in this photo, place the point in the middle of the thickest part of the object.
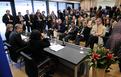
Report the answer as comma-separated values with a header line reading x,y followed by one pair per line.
x,y
101,58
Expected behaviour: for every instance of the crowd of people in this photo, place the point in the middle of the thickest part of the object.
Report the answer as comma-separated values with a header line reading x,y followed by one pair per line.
x,y
70,24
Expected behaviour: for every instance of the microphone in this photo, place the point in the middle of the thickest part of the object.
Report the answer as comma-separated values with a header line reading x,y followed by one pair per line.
x,y
63,43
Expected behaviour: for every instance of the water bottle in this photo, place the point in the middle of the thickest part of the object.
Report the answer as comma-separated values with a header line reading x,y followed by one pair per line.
x,y
55,41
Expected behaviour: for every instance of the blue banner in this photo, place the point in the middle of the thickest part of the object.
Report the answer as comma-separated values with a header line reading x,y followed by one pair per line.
x,y
4,66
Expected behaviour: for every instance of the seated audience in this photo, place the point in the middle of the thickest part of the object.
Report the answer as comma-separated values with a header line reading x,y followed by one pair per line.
x,y
118,18
104,20
92,22
82,34
75,20
8,32
60,28
97,32
80,23
113,22
52,28
66,22
15,39
70,33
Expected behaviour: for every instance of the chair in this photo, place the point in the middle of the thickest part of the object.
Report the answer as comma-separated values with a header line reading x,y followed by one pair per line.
x,y
32,69
14,54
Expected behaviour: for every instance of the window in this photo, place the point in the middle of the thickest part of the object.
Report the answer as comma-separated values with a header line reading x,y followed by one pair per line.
x,y
40,5
62,6
22,6
70,5
76,6
53,7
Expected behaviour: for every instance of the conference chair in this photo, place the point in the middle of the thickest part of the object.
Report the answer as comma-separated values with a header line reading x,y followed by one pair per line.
x,y
32,69
14,54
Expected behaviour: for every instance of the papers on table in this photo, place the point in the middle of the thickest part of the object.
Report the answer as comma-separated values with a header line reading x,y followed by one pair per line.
x,y
23,37
56,47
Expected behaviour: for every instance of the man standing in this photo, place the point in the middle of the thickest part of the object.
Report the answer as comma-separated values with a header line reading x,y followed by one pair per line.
x,y
7,18
28,20
20,20
70,33
97,32
38,22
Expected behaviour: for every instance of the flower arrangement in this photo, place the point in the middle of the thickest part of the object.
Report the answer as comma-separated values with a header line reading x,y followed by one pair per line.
x,y
101,58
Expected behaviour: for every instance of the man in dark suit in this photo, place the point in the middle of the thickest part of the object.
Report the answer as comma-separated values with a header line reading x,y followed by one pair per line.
x,y
60,15
38,11
51,29
66,22
33,22
28,20
20,20
38,22
15,39
8,18
49,20
70,33
82,34
43,21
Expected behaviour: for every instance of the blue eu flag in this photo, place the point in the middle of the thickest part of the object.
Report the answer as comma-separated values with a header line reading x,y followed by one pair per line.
x,y
4,66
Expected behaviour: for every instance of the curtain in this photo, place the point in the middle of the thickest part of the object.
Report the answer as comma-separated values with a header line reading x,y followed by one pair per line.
x,y
86,4
117,3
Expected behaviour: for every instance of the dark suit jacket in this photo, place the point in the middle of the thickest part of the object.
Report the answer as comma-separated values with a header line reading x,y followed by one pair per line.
x,y
7,34
16,41
66,23
73,30
86,32
17,20
5,19
49,21
60,15
36,49
27,19
38,23
62,27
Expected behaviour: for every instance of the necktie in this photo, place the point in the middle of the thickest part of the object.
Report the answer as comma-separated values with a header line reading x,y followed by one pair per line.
x,y
8,17
53,25
29,17
69,29
82,30
39,19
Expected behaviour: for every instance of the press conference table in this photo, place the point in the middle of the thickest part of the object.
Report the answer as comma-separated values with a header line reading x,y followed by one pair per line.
x,y
73,54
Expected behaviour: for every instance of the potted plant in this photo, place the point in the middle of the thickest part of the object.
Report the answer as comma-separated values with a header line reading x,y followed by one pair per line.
x,y
99,60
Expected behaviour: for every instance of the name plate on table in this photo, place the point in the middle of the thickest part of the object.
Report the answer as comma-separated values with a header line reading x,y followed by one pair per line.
x,y
56,47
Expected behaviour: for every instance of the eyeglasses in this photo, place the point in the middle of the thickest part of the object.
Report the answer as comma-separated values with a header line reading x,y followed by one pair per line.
x,y
20,28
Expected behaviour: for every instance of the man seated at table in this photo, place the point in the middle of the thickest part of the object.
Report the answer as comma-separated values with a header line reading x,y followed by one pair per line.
x,y
60,28
97,32
70,33
82,34
51,29
15,38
